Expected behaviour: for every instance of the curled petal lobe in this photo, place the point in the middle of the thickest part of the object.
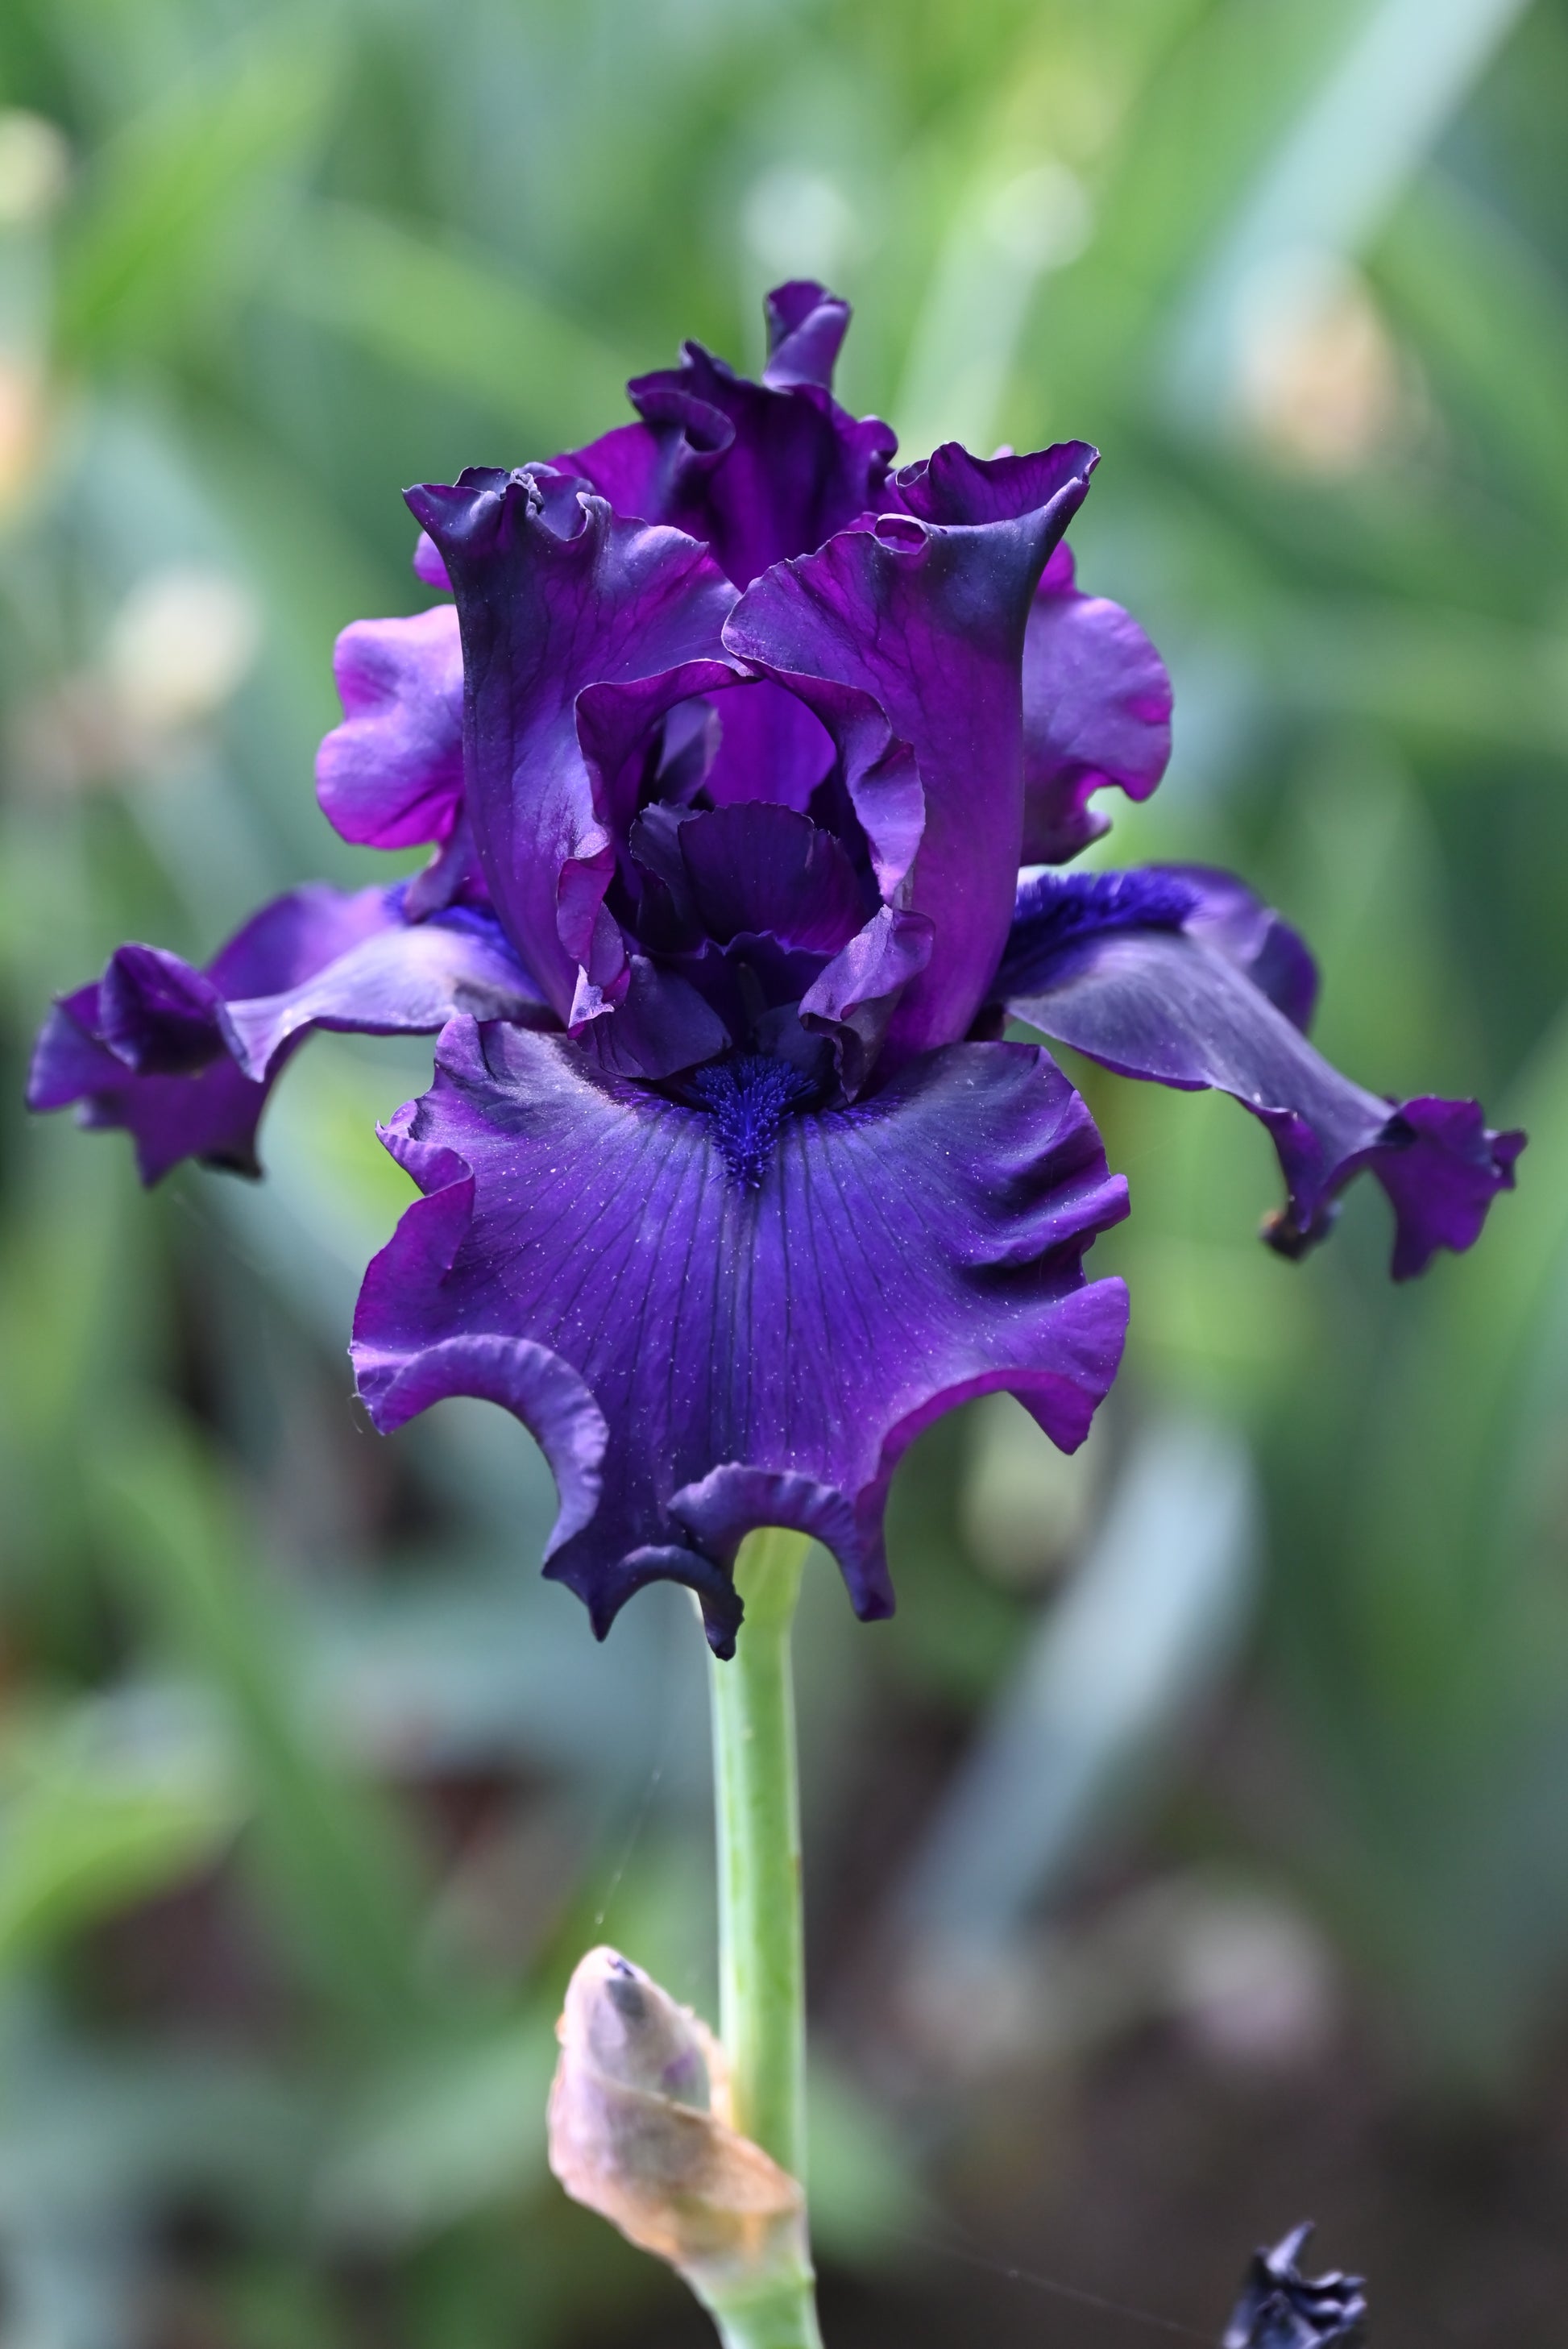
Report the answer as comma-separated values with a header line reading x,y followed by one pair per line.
x,y
755,1336
391,776
1159,996
918,623
184,1059
806,329
1097,711
580,630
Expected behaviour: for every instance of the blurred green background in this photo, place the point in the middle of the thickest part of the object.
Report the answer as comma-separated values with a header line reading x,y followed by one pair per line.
x,y
1191,1854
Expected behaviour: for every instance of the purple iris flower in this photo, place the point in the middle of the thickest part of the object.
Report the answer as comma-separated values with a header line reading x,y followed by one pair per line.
x,y
730,749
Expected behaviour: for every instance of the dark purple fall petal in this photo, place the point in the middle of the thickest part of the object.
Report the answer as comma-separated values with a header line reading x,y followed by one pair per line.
x,y
579,631
391,776
184,1059
920,622
1153,994
710,1329
1096,710
1282,2309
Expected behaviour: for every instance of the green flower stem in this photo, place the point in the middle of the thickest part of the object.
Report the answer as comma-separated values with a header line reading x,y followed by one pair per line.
x,y
762,1971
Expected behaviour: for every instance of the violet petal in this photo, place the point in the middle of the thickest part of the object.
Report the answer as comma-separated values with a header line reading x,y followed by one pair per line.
x,y
1097,711
391,776
757,1355
561,603
806,329
759,471
919,623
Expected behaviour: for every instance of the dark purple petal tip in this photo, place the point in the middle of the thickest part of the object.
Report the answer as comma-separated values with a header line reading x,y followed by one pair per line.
x,y
754,1337
1282,2309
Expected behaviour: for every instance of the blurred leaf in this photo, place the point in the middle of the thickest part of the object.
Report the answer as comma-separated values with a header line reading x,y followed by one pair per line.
x,y
454,316
333,1850
173,204
90,1823
1492,317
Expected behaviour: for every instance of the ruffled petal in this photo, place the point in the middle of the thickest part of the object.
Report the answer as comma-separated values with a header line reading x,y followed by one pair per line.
x,y
759,471
579,631
184,1059
905,639
1097,711
760,1336
1167,974
391,776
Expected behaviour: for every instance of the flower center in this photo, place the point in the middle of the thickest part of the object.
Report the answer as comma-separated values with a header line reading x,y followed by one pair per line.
x,y
749,1097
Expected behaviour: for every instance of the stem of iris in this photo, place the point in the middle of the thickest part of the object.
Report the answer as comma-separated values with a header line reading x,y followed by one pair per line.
x,y
763,1972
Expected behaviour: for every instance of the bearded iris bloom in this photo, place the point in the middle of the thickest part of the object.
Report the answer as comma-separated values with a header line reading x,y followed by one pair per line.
x,y
748,762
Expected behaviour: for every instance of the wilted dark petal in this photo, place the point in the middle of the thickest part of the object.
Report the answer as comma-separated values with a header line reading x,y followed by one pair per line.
x,y
184,1059
759,472
728,1355
579,631
1282,2309
1159,999
906,637
391,776
1096,710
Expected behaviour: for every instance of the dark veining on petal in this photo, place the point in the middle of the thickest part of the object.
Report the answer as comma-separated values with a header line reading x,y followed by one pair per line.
x,y
748,1098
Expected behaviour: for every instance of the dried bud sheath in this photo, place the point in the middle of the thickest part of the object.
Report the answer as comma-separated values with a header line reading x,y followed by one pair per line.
x,y
639,2132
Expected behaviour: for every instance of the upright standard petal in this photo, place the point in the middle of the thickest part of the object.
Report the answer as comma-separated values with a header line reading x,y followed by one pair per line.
x,y
759,471
184,1059
910,634
714,1321
579,630
1166,974
1097,711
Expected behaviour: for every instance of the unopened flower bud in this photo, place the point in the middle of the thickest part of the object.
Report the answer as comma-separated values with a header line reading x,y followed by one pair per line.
x,y
639,2131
